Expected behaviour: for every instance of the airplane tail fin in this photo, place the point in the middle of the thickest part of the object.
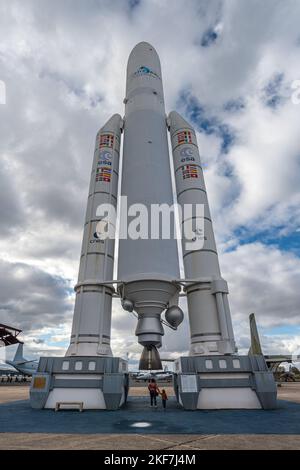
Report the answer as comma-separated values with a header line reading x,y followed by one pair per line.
x,y
19,353
255,341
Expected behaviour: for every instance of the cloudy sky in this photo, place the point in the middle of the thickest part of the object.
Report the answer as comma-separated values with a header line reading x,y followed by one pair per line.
x,y
229,67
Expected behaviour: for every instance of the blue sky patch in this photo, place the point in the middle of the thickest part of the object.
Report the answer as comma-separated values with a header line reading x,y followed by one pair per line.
x,y
272,236
271,92
281,330
205,123
209,37
133,3
234,105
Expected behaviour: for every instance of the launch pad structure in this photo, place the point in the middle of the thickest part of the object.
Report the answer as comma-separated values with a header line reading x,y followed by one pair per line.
x,y
213,376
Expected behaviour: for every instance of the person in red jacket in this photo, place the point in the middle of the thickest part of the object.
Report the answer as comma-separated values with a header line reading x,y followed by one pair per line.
x,y
154,391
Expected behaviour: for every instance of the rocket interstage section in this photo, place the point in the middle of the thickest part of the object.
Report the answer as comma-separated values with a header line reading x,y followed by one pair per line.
x,y
92,315
147,267
209,315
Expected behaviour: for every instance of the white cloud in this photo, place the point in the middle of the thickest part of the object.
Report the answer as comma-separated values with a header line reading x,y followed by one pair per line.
x,y
264,280
64,63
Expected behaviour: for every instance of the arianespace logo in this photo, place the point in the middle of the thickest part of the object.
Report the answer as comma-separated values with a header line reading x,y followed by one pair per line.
x,y
143,70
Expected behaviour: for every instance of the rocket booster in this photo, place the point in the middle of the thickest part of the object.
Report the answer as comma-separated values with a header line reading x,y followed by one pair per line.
x,y
92,314
208,307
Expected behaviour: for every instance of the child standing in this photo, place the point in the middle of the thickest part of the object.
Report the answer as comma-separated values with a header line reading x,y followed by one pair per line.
x,y
164,398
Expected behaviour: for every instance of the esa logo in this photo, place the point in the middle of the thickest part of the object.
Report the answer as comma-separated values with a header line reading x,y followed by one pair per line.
x,y
105,155
187,155
105,158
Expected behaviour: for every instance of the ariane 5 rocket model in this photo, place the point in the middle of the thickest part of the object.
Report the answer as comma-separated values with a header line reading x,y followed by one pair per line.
x,y
148,269
148,283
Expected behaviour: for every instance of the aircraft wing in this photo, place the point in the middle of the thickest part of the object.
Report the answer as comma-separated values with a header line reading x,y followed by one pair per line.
x,y
278,358
26,362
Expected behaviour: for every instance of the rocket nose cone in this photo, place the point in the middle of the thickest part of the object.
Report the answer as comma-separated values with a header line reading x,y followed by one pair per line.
x,y
177,122
142,48
143,59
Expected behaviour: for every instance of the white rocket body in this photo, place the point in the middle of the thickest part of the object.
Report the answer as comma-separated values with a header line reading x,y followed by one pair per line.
x,y
147,266
92,316
209,314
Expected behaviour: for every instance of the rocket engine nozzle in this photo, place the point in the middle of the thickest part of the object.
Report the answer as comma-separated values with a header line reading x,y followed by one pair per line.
x,y
150,359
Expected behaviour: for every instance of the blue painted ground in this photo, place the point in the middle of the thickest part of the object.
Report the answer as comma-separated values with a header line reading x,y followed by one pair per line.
x,y
19,417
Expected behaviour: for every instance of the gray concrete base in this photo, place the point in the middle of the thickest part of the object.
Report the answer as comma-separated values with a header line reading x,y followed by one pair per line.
x,y
97,382
220,382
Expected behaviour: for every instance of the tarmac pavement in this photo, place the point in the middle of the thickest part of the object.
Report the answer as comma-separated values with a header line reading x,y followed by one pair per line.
x,y
139,427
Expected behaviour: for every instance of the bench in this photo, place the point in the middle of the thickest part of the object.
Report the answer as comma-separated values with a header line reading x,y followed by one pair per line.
x,y
69,404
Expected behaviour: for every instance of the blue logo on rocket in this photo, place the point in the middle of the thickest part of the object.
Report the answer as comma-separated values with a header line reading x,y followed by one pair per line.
x,y
143,70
